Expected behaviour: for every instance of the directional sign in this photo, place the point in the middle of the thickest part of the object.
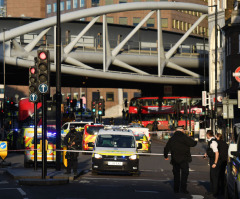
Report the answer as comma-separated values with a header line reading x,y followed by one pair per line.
x,y
3,149
237,71
33,97
43,88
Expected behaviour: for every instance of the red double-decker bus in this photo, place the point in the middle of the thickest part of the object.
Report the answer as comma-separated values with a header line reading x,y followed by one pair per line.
x,y
163,110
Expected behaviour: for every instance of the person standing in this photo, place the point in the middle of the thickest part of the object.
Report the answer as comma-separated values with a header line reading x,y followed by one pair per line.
x,y
213,155
179,146
223,157
73,141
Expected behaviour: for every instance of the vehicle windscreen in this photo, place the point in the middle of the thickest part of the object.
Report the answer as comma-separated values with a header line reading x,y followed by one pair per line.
x,y
79,125
119,141
93,130
139,136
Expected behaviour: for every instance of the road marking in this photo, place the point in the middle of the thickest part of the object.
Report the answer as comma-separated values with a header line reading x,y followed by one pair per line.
x,y
139,191
21,192
195,197
84,181
3,182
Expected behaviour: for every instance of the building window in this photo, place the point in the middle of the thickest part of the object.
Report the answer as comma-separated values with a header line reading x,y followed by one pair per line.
x,y
109,96
174,23
68,4
49,8
55,7
75,3
182,25
178,24
164,23
136,94
75,96
150,22
125,95
123,20
185,26
82,3
109,19
136,21
122,1
62,6
95,3
108,2
95,96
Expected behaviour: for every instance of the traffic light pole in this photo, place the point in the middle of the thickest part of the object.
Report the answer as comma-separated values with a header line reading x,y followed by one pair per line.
x,y
44,137
58,89
35,135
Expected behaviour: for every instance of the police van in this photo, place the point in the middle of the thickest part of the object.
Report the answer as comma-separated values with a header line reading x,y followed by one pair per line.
x,y
115,150
232,188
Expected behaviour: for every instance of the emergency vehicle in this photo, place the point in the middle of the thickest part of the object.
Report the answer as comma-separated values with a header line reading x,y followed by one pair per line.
x,y
115,150
89,135
79,126
28,142
142,136
232,189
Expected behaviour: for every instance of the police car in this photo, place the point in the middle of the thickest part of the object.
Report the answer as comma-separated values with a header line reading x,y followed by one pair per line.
x,y
115,150
232,189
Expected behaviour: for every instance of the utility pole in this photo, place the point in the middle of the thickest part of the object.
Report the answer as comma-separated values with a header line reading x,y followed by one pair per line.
x,y
58,89
216,55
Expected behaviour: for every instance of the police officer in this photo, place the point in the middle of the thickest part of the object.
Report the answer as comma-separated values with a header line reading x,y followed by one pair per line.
x,y
179,146
223,157
73,141
213,154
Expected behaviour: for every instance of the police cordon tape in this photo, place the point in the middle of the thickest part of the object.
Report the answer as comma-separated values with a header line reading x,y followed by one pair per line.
x,y
80,151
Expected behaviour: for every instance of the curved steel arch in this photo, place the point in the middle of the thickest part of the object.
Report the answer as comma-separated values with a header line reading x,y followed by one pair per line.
x,y
109,56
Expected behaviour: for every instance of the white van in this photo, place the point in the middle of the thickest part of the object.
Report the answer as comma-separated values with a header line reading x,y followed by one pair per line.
x,y
115,150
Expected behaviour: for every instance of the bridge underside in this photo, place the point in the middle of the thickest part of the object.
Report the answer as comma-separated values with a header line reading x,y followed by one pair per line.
x,y
110,64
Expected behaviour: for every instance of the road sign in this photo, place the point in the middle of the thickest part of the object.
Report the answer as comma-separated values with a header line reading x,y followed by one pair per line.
x,y
204,98
33,97
43,88
236,74
3,149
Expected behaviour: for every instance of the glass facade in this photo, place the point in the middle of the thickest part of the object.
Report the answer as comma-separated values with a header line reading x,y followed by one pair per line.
x,y
49,8
75,3
68,4
62,6
55,7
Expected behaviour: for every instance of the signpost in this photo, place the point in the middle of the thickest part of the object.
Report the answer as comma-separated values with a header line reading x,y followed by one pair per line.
x,y
3,149
237,74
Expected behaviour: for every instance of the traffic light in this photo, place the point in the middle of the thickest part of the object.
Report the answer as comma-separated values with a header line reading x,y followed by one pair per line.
x,y
33,80
94,108
101,107
68,101
12,105
43,65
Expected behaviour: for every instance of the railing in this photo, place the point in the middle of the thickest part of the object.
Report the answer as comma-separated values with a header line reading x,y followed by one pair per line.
x,y
90,43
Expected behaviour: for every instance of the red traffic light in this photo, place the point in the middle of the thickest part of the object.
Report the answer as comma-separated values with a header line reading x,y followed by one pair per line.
x,y
71,101
100,103
42,55
93,102
32,70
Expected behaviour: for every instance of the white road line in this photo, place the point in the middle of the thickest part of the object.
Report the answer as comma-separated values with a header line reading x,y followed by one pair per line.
x,y
139,191
4,182
21,192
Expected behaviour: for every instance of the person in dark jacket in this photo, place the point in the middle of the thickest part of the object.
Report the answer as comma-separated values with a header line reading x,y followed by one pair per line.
x,y
213,155
223,157
179,146
73,141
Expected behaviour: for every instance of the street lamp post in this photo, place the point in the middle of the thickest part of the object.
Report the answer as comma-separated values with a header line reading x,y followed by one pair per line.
x,y
216,53
4,79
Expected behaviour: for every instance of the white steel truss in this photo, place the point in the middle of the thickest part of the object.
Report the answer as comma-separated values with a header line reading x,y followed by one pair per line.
x,y
72,64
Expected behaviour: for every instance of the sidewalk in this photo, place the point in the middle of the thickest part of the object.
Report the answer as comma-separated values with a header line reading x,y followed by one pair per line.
x,y
28,176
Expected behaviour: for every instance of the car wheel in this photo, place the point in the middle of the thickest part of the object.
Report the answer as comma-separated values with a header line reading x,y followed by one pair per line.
x,y
137,174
